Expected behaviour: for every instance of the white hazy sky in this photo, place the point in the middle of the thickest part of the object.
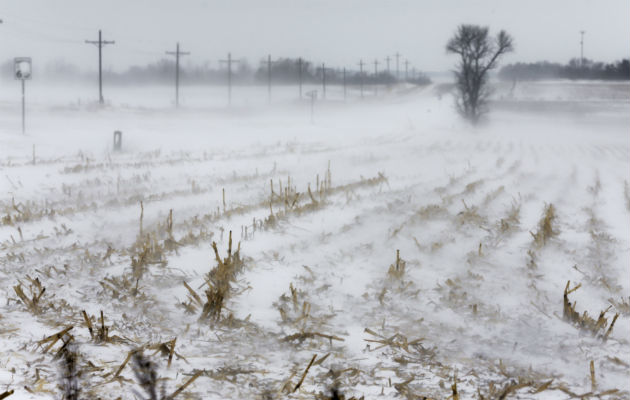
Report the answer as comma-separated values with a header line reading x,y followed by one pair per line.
x,y
338,32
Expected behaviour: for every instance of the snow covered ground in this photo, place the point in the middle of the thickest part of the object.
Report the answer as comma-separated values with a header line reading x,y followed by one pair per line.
x,y
320,209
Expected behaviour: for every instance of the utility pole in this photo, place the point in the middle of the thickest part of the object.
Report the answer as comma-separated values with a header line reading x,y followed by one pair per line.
x,y
375,77
323,81
177,54
269,63
387,61
229,62
300,75
397,66
406,70
361,64
100,43
582,48
344,83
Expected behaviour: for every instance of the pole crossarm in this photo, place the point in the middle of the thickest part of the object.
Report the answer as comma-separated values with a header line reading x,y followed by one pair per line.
x,y
181,53
100,44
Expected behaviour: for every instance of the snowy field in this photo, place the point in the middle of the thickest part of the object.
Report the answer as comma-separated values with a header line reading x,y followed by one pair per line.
x,y
385,248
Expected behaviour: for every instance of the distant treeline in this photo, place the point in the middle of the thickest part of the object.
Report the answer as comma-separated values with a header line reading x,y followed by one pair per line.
x,y
575,69
283,71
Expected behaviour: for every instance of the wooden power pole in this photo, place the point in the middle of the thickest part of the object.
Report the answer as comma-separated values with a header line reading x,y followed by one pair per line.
x,y
229,63
344,83
361,64
177,53
323,81
375,77
100,43
300,75
269,64
582,48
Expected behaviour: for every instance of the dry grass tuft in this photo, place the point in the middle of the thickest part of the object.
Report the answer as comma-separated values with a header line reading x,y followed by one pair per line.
x,y
512,220
396,341
502,392
63,335
293,309
431,211
300,337
148,251
470,215
123,286
546,230
584,321
36,290
219,281
397,270
101,333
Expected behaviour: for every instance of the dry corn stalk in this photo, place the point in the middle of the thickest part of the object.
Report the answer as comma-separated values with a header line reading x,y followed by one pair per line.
x,y
584,321
37,291
219,281
546,229
397,270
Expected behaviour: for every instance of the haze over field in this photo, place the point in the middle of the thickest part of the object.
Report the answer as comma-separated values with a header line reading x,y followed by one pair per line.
x,y
338,33
309,231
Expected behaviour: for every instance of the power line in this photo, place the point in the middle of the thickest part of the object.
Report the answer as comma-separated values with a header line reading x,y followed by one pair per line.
x,y
46,22
39,36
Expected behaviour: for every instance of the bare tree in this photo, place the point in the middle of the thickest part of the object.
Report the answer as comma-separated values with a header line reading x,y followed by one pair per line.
x,y
478,54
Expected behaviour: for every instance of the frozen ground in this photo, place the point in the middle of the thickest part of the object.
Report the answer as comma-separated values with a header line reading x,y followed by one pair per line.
x,y
476,297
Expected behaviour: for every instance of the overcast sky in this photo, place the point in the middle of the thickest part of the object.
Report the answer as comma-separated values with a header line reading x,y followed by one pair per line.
x,y
338,32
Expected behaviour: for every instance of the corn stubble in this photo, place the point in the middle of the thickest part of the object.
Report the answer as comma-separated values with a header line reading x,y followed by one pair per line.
x,y
219,281
298,310
596,327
